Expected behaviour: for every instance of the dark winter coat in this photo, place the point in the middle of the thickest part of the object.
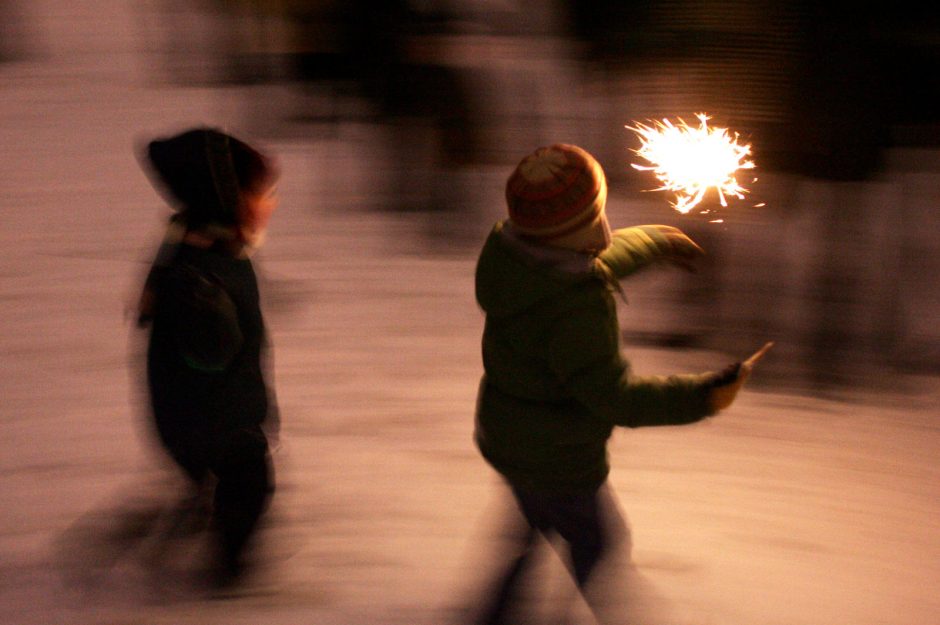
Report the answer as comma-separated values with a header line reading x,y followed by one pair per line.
x,y
205,356
556,382
204,361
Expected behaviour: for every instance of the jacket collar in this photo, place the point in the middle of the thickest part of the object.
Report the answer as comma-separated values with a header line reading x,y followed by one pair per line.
x,y
569,262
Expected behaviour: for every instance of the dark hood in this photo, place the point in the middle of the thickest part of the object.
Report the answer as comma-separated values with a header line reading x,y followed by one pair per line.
x,y
201,172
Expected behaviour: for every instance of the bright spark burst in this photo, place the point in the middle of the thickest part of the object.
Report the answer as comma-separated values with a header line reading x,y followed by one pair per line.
x,y
688,161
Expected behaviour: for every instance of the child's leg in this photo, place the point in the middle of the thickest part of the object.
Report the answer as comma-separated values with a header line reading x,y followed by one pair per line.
x,y
575,516
503,604
245,485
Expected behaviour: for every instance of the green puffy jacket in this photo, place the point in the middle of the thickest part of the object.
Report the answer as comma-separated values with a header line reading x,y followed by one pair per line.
x,y
556,382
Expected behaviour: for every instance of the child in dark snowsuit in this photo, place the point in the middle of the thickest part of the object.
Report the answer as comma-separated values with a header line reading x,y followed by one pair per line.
x,y
555,382
205,374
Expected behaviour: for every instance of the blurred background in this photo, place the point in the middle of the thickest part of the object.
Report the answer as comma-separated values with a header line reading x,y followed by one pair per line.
x,y
427,97
419,109
397,124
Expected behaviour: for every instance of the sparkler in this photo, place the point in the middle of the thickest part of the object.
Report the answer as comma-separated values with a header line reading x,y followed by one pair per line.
x,y
689,161
723,396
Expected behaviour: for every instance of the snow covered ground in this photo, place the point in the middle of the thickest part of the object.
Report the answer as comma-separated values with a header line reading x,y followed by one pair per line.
x,y
787,509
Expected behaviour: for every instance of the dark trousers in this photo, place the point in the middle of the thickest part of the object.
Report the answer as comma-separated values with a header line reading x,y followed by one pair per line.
x,y
244,487
238,462
589,523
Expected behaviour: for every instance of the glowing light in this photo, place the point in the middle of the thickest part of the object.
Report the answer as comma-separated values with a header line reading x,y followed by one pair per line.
x,y
689,161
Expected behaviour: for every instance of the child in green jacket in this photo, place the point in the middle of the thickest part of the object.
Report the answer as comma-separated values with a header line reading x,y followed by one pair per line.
x,y
555,381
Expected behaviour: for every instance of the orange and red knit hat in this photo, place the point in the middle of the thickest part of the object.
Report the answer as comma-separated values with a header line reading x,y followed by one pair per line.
x,y
556,196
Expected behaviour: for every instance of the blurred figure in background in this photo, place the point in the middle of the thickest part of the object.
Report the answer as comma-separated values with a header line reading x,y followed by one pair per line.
x,y
398,59
555,382
14,35
219,43
205,362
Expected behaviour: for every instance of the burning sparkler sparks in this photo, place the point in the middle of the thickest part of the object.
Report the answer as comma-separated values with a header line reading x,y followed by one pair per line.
x,y
688,161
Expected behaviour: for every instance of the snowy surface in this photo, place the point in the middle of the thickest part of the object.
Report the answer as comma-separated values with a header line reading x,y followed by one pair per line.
x,y
787,509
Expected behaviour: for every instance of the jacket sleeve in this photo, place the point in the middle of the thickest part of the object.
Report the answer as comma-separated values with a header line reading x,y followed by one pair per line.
x,y
584,352
634,248
205,320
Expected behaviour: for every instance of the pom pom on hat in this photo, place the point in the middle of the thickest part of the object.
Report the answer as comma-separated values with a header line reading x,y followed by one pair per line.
x,y
556,196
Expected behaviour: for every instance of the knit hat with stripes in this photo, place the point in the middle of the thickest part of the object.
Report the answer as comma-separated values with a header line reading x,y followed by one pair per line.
x,y
556,196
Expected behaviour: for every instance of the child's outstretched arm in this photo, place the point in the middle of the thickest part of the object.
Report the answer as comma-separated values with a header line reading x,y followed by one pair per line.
x,y
585,353
636,247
